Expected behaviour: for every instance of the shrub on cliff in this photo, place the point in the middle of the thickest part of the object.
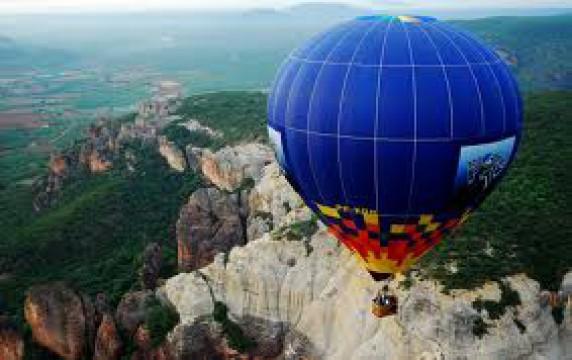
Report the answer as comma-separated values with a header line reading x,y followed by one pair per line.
x,y
160,319
233,333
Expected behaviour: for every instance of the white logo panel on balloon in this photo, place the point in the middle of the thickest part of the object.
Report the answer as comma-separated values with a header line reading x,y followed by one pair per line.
x,y
480,165
276,142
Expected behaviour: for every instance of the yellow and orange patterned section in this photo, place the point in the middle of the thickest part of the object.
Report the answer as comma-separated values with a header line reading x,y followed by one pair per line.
x,y
387,245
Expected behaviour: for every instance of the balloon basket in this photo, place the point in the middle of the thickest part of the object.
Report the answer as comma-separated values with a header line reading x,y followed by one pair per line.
x,y
384,305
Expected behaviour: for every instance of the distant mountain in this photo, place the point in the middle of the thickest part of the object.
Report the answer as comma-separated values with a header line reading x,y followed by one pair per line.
x,y
330,11
480,13
327,10
309,12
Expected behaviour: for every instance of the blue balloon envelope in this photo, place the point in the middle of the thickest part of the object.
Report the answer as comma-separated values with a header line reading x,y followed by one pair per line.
x,y
393,129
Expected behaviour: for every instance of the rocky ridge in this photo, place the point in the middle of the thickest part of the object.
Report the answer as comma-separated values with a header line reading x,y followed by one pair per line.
x,y
104,146
317,305
217,218
94,155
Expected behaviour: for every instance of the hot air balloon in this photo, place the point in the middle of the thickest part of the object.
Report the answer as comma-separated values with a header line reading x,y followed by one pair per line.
x,y
393,129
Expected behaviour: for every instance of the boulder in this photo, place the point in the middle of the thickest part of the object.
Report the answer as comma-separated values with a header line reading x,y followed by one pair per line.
x,y
108,344
60,319
209,223
11,342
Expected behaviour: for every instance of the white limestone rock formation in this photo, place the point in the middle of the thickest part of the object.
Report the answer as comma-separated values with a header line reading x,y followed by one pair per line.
x,y
273,203
194,125
320,299
230,166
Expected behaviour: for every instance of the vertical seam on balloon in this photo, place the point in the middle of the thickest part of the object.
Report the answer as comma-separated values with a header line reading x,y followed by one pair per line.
x,y
447,83
477,49
278,86
470,70
295,78
316,46
513,85
376,125
414,88
310,107
278,82
340,108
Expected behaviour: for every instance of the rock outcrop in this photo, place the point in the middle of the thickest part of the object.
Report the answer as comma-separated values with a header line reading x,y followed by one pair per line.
x,y
108,344
229,167
151,266
172,154
69,325
11,342
61,320
320,302
195,126
48,187
211,222
95,154
98,152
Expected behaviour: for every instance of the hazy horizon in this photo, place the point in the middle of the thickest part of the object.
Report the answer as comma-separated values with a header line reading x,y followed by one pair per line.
x,y
121,6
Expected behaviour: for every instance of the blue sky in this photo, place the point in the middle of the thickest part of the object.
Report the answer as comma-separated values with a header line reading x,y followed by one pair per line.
x,y
87,5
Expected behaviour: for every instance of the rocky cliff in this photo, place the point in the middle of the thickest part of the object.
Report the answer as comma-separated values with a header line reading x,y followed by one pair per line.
x,y
173,155
211,222
299,295
73,326
215,219
61,320
318,305
230,166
